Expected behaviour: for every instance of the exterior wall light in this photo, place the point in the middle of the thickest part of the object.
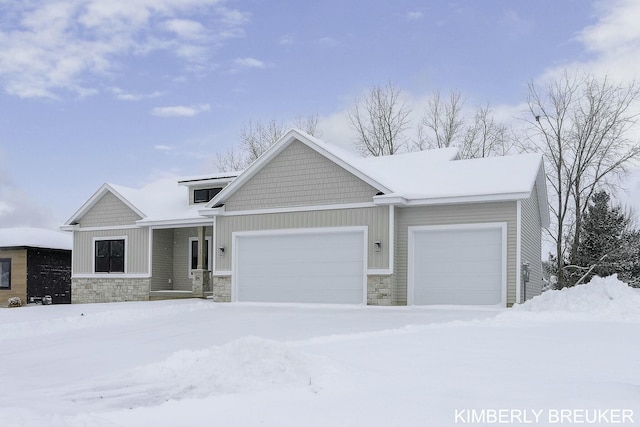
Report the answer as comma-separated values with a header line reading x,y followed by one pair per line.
x,y
220,250
377,245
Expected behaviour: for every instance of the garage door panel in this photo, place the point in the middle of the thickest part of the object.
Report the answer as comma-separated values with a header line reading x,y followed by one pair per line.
x,y
325,267
457,266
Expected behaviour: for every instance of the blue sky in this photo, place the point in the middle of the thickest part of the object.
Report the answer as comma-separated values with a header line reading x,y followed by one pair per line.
x,y
126,91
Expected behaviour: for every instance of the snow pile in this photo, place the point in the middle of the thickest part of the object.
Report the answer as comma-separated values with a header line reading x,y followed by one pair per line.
x,y
243,365
602,298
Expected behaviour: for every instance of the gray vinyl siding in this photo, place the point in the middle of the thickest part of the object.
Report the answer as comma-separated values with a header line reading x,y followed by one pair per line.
x,y
531,241
162,267
376,218
450,215
181,279
136,249
299,176
109,211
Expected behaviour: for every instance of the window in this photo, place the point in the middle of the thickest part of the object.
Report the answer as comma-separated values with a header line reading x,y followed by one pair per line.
x,y
5,273
109,256
203,195
193,254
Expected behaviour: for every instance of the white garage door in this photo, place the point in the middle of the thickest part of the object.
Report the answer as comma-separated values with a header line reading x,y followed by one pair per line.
x,y
316,267
461,265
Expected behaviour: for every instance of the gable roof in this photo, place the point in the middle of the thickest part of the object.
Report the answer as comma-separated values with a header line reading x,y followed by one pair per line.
x,y
164,201
35,238
421,178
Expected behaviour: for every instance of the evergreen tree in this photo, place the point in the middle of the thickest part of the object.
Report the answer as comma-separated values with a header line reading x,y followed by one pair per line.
x,y
604,234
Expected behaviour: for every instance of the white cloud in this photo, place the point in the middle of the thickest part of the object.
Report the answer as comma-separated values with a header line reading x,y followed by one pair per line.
x,y
49,46
613,42
250,63
126,96
180,110
161,147
414,16
286,40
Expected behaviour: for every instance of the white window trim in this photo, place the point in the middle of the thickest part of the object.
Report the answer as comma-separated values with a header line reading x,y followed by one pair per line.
x,y
93,256
192,239
502,226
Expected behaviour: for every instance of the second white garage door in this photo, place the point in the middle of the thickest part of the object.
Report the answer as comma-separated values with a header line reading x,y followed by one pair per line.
x,y
315,266
457,264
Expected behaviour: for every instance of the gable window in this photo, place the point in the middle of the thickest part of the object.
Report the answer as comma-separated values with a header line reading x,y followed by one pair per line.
x,y
203,195
109,256
5,273
193,254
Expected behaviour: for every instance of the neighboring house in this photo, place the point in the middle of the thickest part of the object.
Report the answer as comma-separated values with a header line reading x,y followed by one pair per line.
x,y
141,244
34,263
310,222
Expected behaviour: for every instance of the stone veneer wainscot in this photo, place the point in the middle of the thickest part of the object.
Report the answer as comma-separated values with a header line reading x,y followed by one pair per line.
x,y
92,290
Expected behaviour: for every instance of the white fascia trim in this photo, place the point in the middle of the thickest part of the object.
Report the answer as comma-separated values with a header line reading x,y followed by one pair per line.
x,y
109,227
111,276
390,200
69,227
381,200
211,212
411,230
298,209
175,223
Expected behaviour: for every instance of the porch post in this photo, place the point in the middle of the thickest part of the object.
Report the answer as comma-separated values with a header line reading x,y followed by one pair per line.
x,y
201,274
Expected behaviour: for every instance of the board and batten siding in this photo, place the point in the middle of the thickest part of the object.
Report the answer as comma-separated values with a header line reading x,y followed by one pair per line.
x,y
136,249
451,215
162,267
531,243
299,176
107,212
375,218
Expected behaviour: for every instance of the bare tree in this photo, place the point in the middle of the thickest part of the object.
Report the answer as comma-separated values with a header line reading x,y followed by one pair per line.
x,y
484,137
444,125
442,122
582,125
308,124
380,120
256,137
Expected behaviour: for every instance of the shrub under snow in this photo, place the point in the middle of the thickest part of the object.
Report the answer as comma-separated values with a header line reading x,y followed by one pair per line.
x,y
14,302
603,297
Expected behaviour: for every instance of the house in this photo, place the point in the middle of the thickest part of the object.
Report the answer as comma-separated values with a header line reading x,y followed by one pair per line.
x,y
34,263
143,244
310,222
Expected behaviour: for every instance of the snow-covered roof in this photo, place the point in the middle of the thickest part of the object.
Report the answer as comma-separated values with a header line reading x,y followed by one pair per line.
x,y
424,177
417,178
164,201
35,238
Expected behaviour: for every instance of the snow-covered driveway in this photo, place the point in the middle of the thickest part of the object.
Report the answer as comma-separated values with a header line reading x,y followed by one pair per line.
x,y
197,363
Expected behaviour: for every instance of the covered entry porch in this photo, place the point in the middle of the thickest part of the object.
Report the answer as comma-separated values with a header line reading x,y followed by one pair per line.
x,y
181,262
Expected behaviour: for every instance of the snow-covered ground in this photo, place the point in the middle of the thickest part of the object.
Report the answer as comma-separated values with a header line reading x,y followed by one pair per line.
x,y
197,363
